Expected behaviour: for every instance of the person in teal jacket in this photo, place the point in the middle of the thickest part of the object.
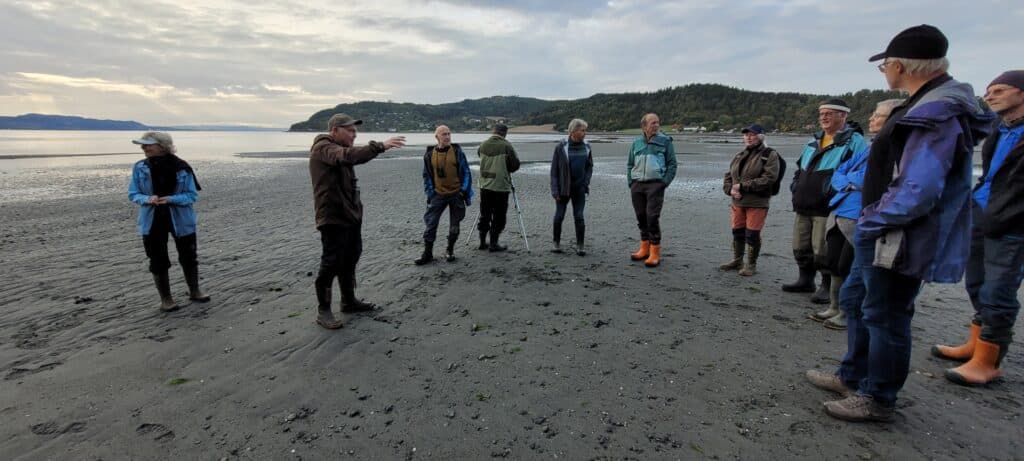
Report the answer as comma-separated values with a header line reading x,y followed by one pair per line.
x,y
835,143
165,187
650,169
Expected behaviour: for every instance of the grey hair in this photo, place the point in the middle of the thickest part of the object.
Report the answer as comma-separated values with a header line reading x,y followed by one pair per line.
x,y
163,140
923,67
577,124
643,120
888,105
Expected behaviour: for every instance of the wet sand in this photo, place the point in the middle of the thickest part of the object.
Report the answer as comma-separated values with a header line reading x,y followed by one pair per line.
x,y
521,355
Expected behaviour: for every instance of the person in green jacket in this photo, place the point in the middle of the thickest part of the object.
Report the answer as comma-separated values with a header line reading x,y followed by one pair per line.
x,y
651,167
498,161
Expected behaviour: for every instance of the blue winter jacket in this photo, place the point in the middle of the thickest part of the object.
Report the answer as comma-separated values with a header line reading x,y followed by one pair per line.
x,y
929,198
847,181
653,160
465,177
812,180
183,216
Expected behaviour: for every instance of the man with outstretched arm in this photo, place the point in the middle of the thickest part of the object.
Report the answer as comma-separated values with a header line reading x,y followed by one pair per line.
x,y
339,211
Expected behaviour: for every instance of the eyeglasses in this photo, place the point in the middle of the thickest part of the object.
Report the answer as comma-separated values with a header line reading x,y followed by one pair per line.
x,y
881,67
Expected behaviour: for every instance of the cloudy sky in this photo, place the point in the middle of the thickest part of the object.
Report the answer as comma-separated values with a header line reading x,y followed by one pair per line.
x,y
272,64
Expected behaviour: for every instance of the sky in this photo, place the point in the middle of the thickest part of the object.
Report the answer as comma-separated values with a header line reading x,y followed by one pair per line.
x,y
275,63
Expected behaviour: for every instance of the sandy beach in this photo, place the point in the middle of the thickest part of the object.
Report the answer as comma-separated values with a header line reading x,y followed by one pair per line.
x,y
521,355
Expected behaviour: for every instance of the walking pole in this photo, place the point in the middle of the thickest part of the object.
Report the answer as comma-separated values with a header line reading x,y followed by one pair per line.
x,y
519,212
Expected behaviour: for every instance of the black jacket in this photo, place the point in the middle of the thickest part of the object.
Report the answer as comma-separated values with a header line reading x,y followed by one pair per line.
x,y
1005,211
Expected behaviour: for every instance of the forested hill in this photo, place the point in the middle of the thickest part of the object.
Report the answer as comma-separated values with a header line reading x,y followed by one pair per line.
x,y
469,114
714,107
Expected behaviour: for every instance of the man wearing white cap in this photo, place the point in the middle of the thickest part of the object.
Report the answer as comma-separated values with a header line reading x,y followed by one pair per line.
x,y
812,190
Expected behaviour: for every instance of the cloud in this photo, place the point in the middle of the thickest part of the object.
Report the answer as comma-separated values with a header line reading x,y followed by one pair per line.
x,y
185,62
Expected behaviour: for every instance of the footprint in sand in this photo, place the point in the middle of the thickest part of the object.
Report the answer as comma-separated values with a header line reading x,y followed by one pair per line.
x,y
159,432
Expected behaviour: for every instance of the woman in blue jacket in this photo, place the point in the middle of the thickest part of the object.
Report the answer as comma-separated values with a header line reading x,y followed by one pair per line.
x,y
164,186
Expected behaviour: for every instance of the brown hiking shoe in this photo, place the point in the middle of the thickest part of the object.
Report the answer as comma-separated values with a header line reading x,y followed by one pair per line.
x,y
858,408
829,382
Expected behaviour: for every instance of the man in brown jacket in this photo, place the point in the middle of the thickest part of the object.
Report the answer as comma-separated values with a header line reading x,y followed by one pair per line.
x,y
750,181
339,212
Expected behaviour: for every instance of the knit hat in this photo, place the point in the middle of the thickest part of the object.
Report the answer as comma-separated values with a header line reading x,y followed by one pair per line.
x,y
836,104
1014,78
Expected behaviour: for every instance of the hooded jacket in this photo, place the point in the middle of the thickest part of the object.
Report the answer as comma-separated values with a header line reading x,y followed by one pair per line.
x,y
651,160
929,196
1004,213
847,182
755,171
335,192
812,180
465,177
498,161
561,179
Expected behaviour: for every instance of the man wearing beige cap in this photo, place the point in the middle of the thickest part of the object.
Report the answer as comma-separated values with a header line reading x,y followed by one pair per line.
x,y
339,211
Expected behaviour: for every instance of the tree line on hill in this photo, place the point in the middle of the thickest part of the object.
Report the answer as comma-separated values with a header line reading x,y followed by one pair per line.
x,y
711,107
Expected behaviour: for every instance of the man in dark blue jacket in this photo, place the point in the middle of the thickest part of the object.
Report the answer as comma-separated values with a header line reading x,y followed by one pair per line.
x,y
447,184
996,265
915,226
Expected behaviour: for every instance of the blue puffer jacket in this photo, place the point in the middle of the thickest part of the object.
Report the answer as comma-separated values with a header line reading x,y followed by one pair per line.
x,y
847,181
183,216
929,199
653,160
465,177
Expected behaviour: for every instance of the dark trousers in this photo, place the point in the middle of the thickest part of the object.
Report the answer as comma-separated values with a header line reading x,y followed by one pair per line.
x,y
435,208
493,208
579,201
878,338
648,197
994,273
155,244
342,246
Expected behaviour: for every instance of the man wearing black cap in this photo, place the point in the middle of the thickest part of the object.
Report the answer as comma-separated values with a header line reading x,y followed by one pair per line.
x,y
915,226
498,161
834,144
750,182
339,211
994,270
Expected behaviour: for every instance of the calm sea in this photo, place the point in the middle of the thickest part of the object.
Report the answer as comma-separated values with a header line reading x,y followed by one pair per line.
x,y
41,149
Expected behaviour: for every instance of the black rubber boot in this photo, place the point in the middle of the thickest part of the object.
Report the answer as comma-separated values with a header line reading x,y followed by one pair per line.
x,y
192,280
495,246
822,295
804,284
483,241
428,254
449,253
349,302
581,231
556,238
163,286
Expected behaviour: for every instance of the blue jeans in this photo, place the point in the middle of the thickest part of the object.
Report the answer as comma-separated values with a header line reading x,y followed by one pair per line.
x,y
579,201
994,273
435,208
879,305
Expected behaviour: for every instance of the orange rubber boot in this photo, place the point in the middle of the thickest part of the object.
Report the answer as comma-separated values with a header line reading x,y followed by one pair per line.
x,y
962,352
655,258
643,252
983,367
